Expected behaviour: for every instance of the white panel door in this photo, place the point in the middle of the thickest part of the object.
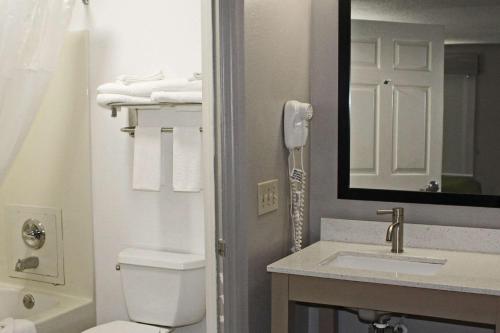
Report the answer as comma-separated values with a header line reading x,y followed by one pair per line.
x,y
397,79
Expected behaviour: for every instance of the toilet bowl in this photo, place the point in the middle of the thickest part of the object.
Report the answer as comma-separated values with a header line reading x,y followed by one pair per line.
x,y
163,290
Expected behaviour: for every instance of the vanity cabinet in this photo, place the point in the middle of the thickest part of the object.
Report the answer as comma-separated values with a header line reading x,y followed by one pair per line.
x,y
465,286
288,289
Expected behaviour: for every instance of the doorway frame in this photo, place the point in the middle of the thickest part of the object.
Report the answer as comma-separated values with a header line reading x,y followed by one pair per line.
x,y
230,170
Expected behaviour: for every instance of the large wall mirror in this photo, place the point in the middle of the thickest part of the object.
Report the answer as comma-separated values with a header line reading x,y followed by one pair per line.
x,y
419,101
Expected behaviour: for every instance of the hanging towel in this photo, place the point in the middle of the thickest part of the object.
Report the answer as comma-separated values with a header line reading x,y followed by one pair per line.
x,y
186,159
176,97
147,159
130,79
144,89
105,100
11,325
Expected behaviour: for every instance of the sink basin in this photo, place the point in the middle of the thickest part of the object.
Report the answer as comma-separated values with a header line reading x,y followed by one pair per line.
x,y
385,263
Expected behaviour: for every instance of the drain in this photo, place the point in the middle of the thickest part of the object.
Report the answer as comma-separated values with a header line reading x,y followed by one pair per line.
x,y
29,301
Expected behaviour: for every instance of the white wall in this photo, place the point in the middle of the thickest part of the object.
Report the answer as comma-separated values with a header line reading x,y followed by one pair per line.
x,y
132,36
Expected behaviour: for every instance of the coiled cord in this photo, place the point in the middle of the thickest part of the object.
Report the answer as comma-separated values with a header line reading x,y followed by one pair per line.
x,y
297,178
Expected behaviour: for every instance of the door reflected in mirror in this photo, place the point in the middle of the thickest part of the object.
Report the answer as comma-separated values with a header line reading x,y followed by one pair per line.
x,y
425,96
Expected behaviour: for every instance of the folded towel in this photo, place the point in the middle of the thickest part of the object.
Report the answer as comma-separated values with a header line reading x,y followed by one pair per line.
x,y
144,89
196,76
147,159
105,99
10,325
129,79
186,159
176,96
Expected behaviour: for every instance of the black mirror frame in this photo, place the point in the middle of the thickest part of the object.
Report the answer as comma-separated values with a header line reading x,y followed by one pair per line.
x,y
344,190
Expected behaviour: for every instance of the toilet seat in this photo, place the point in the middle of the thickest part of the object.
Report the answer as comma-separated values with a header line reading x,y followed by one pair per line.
x,y
126,327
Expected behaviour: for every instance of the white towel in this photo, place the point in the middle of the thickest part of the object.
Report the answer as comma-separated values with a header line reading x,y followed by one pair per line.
x,y
105,99
186,159
147,159
130,79
196,76
10,325
144,89
176,97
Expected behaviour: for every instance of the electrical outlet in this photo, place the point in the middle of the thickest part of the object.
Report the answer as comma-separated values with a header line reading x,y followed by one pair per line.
x,y
268,196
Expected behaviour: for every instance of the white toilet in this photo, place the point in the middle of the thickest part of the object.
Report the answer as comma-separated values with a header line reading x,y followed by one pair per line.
x,y
163,290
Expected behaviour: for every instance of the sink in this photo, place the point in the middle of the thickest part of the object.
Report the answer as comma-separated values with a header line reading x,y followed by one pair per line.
x,y
385,263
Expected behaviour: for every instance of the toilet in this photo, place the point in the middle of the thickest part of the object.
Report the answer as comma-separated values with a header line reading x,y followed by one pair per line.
x,y
163,290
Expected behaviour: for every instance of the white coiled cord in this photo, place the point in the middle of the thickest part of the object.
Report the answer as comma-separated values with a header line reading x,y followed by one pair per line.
x,y
297,179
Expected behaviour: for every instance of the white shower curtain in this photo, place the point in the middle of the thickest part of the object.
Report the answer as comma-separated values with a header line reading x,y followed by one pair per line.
x,y
31,36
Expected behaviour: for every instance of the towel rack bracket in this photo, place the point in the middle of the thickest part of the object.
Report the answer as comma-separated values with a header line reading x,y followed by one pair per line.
x,y
131,130
114,111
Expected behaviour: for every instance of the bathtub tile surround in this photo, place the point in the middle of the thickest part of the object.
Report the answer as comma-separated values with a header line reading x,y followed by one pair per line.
x,y
58,144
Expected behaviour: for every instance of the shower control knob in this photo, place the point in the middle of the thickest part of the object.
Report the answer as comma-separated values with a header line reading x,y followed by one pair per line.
x,y
33,234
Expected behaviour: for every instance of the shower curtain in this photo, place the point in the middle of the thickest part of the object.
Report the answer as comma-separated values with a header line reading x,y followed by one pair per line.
x,y
31,36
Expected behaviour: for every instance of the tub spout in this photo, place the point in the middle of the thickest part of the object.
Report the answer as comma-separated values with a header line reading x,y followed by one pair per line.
x,y
27,263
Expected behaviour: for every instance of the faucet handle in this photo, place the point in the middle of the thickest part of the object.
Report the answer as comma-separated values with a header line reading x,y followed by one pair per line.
x,y
397,211
385,211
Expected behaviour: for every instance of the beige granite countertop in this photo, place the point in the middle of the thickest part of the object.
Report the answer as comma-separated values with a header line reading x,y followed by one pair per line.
x,y
468,272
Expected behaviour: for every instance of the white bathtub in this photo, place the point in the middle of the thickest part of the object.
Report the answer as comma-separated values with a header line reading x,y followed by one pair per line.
x,y
52,313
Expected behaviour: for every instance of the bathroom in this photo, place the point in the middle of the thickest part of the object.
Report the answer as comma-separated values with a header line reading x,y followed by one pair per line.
x,y
77,190
309,60
271,229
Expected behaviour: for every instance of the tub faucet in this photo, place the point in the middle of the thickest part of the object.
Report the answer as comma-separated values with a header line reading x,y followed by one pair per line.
x,y
395,230
27,263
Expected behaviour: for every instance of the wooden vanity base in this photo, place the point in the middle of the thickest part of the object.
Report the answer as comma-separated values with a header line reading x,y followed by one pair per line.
x,y
288,289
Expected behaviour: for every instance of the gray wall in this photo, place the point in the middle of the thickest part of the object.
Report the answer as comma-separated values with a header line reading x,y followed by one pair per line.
x,y
324,202
487,138
276,69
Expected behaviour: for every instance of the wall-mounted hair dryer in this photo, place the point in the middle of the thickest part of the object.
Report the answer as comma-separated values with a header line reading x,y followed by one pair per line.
x,y
296,122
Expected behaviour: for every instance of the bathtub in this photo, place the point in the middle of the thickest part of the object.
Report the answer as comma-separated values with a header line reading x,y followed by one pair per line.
x,y
51,312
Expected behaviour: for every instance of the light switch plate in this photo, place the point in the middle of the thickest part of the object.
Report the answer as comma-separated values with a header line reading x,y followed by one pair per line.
x,y
267,196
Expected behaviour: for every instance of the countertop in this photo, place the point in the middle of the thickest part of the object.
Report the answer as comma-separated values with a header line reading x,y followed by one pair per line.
x,y
467,272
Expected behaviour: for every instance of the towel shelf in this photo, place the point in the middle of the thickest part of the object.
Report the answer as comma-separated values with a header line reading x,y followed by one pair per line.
x,y
131,130
133,114
115,107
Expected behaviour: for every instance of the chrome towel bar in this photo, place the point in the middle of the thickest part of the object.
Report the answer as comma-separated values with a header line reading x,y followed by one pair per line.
x,y
131,130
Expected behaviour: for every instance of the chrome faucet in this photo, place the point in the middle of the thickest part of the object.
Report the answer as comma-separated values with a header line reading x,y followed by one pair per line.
x,y
27,263
395,230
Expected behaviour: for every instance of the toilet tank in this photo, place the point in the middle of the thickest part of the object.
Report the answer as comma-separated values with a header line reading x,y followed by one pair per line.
x,y
163,288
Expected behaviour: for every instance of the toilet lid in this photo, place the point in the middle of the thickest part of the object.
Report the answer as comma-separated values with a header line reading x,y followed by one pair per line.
x,y
126,327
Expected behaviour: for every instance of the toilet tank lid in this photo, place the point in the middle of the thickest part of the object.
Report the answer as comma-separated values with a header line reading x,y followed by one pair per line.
x,y
161,259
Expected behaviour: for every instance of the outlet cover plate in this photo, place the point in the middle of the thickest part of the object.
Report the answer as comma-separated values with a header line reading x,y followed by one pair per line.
x,y
267,196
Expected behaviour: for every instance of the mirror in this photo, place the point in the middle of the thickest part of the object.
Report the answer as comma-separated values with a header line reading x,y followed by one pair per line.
x,y
419,96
